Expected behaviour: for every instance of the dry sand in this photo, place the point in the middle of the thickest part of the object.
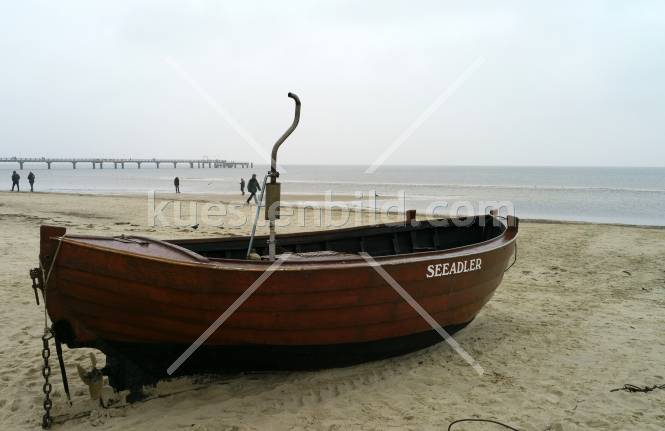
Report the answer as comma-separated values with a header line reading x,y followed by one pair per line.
x,y
579,314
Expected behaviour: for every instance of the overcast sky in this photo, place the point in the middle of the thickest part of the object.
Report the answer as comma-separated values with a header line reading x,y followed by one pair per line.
x,y
479,83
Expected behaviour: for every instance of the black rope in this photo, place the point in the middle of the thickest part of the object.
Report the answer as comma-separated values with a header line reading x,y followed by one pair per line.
x,y
633,388
481,420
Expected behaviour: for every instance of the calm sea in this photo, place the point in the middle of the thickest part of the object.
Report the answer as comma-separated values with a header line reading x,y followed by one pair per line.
x,y
609,195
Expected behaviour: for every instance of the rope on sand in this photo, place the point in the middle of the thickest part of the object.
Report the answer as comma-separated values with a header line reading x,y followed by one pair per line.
x,y
481,420
633,388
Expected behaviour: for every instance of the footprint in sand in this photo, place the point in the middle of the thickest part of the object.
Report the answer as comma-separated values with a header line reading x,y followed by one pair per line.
x,y
14,405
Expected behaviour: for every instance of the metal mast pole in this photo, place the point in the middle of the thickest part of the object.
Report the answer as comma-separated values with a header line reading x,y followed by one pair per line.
x,y
272,189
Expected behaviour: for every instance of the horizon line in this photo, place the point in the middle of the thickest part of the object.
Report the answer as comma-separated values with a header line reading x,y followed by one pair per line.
x,y
259,164
498,165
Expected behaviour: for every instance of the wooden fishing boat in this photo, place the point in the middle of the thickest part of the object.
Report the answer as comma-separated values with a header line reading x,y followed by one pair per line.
x,y
143,301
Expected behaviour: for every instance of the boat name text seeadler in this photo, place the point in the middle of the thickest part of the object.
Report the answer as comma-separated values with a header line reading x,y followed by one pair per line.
x,y
450,268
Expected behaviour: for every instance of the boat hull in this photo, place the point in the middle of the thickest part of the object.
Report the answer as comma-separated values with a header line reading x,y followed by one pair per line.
x,y
146,303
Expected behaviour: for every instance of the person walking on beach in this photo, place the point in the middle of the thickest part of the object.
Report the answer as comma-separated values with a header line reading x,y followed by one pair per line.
x,y
176,183
252,188
242,186
15,178
31,180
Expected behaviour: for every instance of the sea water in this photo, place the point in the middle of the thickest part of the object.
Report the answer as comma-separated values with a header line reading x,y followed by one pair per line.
x,y
594,194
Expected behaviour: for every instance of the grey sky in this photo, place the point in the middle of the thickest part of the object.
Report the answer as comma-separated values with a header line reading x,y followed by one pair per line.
x,y
563,83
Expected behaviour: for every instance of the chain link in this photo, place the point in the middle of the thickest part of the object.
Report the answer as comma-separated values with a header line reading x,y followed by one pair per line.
x,y
39,281
47,420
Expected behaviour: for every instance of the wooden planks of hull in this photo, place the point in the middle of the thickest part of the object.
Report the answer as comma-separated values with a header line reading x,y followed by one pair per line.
x,y
102,293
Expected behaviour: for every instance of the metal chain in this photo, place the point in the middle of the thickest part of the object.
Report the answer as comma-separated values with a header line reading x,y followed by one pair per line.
x,y
42,282
47,420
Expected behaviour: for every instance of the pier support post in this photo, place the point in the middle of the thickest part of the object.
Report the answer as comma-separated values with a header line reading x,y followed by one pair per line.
x,y
191,165
174,165
93,165
20,165
73,165
122,165
115,165
48,165
101,165
157,163
139,164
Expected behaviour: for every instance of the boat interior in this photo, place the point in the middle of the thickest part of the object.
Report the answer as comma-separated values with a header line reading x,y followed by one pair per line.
x,y
376,240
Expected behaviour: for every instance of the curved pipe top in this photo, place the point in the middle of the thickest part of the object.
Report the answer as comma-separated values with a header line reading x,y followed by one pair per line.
x,y
273,158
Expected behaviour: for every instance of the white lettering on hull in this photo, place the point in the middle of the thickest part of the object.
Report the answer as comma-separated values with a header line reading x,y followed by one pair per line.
x,y
452,268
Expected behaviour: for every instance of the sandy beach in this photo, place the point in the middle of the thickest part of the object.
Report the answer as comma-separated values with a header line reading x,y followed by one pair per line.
x,y
580,314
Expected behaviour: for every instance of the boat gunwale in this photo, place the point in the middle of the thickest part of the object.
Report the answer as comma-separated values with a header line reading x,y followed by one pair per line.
x,y
508,236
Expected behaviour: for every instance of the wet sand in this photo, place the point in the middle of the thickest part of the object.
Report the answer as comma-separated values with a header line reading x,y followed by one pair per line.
x,y
580,313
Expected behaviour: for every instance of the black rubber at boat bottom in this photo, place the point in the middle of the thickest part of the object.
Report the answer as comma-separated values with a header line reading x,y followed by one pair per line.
x,y
129,365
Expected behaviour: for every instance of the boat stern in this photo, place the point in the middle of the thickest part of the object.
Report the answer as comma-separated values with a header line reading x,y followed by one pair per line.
x,y
48,243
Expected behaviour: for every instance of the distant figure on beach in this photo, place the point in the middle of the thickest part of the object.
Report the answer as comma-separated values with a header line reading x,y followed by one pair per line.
x,y
176,183
242,186
15,178
31,180
252,188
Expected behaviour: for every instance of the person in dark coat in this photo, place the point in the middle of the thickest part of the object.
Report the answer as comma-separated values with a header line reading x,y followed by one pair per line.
x,y
31,180
176,183
15,178
242,186
252,188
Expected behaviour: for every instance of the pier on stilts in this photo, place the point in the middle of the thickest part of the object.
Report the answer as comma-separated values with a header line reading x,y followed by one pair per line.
x,y
119,162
